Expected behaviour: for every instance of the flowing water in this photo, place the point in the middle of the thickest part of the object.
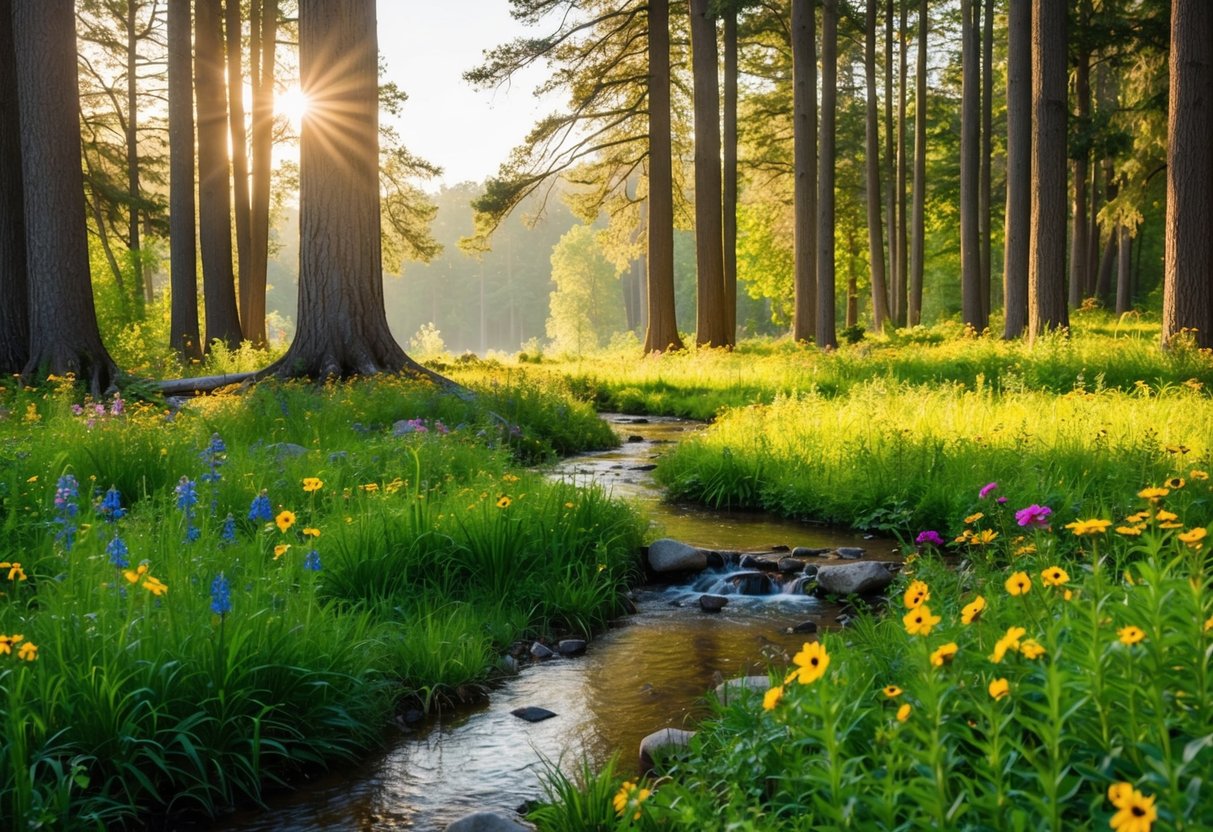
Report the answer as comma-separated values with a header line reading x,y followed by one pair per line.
x,y
650,671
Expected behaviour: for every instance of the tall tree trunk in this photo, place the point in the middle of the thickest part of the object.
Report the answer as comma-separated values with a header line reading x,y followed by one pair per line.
x,y
827,338
1187,299
214,191
900,275
804,142
262,64
709,240
917,230
880,309
183,313
233,30
972,311
1103,284
985,192
852,319
14,294
1080,236
662,331
1047,255
1019,170
890,157
141,291
730,174
63,322
1124,271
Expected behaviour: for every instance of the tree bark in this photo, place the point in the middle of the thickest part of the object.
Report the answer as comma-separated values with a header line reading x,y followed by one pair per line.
x,y
1187,300
972,312
709,241
917,230
1047,255
827,338
880,309
63,322
233,30
890,158
214,191
730,174
903,245
985,185
253,282
1080,236
141,291
1124,271
1019,170
804,141
14,297
662,331
183,253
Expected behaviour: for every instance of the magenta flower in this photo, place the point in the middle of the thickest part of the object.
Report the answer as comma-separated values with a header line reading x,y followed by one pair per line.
x,y
987,489
1034,516
1002,501
930,536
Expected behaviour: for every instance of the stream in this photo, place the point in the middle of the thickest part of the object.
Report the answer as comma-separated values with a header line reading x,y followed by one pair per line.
x,y
649,671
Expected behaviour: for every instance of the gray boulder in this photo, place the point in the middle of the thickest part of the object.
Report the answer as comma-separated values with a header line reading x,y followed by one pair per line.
x,y
806,552
532,713
570,646
732,689
540,651
712,603
668,555
661,743
791,566
488,822
850,552
859,578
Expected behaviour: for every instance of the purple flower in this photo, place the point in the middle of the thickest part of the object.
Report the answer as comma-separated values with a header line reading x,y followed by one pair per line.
x,y
929,536
1034,516
118,406
987,489
1002,501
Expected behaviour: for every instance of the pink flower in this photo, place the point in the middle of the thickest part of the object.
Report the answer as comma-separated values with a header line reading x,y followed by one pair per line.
x,y
930,536
987,489
1002,501
1034,516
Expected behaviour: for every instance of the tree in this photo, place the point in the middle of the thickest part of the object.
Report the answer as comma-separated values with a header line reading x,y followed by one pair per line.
x,y
14,301
263,29
709,245
1047,244
918,225
342,327
1188,285
233,31
972,312
880,306
214,182
985,176
662,332
183,315
729,198
63,322
1019,169
1079,236
826,334
899,278
804,132
585,310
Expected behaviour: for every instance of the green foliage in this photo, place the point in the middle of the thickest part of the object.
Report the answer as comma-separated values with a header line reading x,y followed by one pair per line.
x,y
585,306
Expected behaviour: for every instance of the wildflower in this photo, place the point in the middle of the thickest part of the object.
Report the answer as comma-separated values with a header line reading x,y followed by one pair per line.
x,y
630,796
891,691
930,536
1165,516
917,594
568,504
311,532
7,642
811,661
903,713
155,586
1119,793
1009,641
312,561
260,509
67,490
212,456
1055,576
111,506
133,575
27,652
1089,527
1025,549
1136,812
370,487
771,698
1153,494
228,533
15,572
187,495
1130,635
1197,474
1208,624
221,596
504,502
117,551
973,518
1193,538
285,520
919,621
1033,516
1018,584
944,654
984,537
311,484
999,688
1031,649
281,549
987,489
973,610
1129,531
1175,483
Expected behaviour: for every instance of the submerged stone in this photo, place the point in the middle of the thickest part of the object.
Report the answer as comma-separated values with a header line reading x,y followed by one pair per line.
x,y
488,822
532,713
712,603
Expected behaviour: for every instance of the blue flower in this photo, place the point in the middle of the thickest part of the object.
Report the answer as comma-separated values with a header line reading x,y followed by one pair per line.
x,y
111,506
67,492
213,455
187,496
261,510
228,534
192,533
312,561
117,552
221,596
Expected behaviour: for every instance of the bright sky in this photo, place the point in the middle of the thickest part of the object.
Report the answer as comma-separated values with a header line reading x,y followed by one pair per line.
x,y
427,45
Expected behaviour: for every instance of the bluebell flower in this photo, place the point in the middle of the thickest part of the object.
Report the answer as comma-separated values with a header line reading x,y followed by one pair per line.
x,y
312,561
117,552
228,534
261,510
67,493
192,533
221,596
111,506
187,496
213,455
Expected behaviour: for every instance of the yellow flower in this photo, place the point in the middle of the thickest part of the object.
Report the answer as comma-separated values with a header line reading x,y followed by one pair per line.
x,y
984,537
1208,624
1175,483
509,478
973,518
1165,516
771,698
917,594
1197,474
1089,527
311,532
370,487
155,586
1129,531
1136,812
285,520
972,611
630,796
1031,649
1055,576
812,661
1170,525
892,691
999,688
281,550
1068,595
1018,584
903,713
133,575
311,484
944,654
504,502
919,621
34,478
1193,538
15,572
27,652
1130,635
1010,641
1026,549
7,642
1153,494
1139,517
1119,793
568,505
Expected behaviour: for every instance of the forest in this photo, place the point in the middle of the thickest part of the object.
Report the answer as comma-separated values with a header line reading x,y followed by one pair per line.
x,y
851,357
